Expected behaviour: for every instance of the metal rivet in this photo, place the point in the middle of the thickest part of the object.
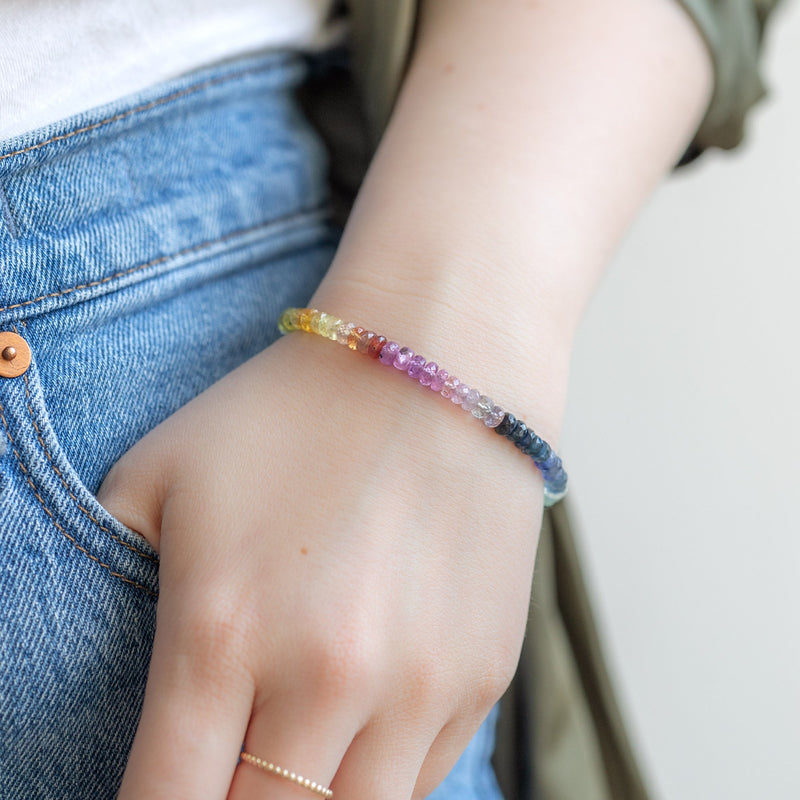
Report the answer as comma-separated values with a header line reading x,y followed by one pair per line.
x,y
15,355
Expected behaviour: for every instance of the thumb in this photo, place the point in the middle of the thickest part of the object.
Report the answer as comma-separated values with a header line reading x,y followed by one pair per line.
x,y
133,491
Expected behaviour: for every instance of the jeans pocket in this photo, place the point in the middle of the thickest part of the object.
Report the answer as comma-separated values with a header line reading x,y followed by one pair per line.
x,y
40,483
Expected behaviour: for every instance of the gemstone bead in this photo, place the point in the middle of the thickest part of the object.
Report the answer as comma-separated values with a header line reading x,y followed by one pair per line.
x,y
450,387
304,319
376,345
519,433
428,373
388,353
285,322
314,320
507,424
355,334
525,441
329,326
460,394
362,345
538,449
558,481
343,332
482,407
494,417
551,464
437,382
415,367
470,402
403,358
321,323
552,497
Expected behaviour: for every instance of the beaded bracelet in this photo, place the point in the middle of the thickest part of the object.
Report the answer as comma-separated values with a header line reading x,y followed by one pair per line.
x,y
439,380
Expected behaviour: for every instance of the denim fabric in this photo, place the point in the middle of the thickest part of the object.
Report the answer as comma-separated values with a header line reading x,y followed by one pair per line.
x,y
146,249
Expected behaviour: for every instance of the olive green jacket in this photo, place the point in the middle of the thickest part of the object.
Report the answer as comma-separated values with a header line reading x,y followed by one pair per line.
x,y
561,735
732,29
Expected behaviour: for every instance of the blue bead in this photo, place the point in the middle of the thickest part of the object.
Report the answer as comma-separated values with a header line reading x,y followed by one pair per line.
x,y
519,433
551,463
558,481
525,441
539,450
507,425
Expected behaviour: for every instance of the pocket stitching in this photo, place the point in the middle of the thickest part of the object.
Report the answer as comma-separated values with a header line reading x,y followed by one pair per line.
x,y
159,101
69,491
161,259
56,522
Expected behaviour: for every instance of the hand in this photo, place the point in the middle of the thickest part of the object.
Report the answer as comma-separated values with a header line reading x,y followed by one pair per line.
x,y
345,573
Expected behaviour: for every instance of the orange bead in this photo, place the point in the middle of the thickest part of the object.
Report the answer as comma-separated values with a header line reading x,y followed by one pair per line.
x,y
354,336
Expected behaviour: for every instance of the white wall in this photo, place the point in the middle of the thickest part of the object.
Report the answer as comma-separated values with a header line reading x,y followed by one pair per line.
x,y
682,440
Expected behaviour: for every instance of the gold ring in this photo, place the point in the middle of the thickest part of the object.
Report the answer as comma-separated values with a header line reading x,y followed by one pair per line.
x,y
273,769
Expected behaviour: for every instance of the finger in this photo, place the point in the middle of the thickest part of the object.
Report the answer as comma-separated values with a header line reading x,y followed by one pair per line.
x,y
131,492
293,734
460,754
383,762
194,718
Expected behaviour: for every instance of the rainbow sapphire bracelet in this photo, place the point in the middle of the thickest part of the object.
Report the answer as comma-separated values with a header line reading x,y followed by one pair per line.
x,y
438,380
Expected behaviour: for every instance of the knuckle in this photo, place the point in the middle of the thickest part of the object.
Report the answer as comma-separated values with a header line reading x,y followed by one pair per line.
x,y
495,677
215,642
346,658
427,680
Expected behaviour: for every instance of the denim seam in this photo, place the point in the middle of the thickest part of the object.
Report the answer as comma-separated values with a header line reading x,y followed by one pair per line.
x,y
8,216
142,108
160,260
57,523
69,491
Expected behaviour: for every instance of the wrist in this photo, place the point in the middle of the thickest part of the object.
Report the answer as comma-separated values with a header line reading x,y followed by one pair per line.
x,y
515,352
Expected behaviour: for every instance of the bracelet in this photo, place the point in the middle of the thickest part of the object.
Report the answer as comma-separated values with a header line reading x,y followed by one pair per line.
x,y
429,374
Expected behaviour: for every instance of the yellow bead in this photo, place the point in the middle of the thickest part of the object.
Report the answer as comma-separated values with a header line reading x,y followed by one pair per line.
x,y
304,319
285,322
316,316
330,326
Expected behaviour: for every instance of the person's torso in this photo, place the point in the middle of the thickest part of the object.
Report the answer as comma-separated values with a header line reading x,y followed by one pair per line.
x,y
58,59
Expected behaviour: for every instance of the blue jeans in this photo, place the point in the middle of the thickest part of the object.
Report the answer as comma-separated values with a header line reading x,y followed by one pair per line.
x,y
146,249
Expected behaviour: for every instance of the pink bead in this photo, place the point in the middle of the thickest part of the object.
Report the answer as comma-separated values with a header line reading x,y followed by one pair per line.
x,y
437,384
415,367
460,394
388,353
450,389
403,358
428,374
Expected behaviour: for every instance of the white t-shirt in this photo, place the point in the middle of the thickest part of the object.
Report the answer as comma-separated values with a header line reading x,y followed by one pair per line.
x,y
60,57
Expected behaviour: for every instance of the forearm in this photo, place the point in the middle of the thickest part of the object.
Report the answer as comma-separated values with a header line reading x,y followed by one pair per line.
x,y
525,139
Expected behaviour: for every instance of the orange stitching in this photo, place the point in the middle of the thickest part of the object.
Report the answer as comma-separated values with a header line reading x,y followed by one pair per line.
x,y
160,260
56,522
130,112
57,471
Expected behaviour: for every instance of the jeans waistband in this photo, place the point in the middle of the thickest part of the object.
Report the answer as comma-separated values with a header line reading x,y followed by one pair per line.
x,y
117,193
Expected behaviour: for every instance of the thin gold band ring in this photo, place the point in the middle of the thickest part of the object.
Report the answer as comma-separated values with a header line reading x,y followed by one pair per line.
x,y
274,769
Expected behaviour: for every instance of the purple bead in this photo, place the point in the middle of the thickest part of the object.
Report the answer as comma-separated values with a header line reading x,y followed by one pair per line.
x,y
450,389
428,375
388,353
403,358
460,394
415,367
437,383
